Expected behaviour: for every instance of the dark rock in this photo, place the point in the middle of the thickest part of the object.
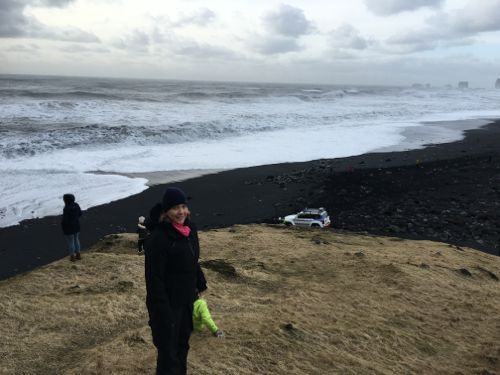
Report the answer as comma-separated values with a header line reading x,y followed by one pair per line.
x,y
360,254
492,360
465,272
221,266
135,339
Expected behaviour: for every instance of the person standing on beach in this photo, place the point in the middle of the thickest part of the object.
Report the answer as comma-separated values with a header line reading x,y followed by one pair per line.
x,y
71,226
173,275
142,233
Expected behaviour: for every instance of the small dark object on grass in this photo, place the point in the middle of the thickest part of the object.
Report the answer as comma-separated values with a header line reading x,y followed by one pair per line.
x,y
220,266
465,272
124,285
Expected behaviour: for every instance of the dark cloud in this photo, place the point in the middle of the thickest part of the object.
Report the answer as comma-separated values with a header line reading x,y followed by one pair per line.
x,y
49,3
12,20
477,16
388,7
454,28
288,21
283,28
14,24
346,36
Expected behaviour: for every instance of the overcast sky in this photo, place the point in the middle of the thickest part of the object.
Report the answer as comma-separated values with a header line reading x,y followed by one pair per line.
x,y
346,42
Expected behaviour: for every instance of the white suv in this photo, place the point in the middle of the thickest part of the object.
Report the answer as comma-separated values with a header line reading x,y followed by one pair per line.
x,y
309,217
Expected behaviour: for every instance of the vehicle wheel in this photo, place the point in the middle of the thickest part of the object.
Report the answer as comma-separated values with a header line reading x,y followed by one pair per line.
x,y
314,225
288,224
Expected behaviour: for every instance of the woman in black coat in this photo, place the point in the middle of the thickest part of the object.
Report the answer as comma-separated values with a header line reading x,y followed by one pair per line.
x,y
173,275
70,224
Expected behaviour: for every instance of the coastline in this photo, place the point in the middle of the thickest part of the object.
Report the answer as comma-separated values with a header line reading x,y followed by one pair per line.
x,y
257,194
164,177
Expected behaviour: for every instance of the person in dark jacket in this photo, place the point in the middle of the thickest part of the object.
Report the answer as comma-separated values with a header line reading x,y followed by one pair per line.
x,y
71,226
173,276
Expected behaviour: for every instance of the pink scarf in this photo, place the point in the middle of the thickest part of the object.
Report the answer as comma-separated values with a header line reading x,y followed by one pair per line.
x,y
182,229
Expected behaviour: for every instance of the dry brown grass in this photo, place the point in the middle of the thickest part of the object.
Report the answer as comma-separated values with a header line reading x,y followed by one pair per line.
x,y
290,301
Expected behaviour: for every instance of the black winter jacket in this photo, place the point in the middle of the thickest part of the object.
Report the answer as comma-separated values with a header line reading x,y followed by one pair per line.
x,y
172,273
71,218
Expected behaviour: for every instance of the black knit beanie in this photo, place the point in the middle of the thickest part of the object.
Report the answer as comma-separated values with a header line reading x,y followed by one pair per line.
x,y
172,197
68,198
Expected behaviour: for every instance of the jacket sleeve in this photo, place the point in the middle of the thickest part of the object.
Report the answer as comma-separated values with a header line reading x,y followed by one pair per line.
x,y
160,311
201,281
154,216
206,317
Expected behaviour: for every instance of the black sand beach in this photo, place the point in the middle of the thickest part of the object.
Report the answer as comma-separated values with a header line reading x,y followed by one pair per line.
x,y
448,192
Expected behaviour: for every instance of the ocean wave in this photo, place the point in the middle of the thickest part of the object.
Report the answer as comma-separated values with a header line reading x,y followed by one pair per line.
x,y
193,95
56,95
30,142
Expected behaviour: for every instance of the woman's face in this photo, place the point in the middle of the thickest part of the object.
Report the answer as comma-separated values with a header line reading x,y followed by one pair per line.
x,y
178,214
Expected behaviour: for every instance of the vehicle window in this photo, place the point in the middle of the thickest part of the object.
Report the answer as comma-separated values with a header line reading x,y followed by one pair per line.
x,y
305,216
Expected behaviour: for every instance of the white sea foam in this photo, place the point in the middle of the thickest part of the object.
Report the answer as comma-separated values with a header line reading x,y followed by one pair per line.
x,y
55,135
28,194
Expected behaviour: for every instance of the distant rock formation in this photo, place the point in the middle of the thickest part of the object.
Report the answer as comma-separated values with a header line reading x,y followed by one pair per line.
x,y
497,83
421,86
463,85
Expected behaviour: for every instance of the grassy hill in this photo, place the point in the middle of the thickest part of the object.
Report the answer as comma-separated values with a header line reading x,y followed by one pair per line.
x,y
291,301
